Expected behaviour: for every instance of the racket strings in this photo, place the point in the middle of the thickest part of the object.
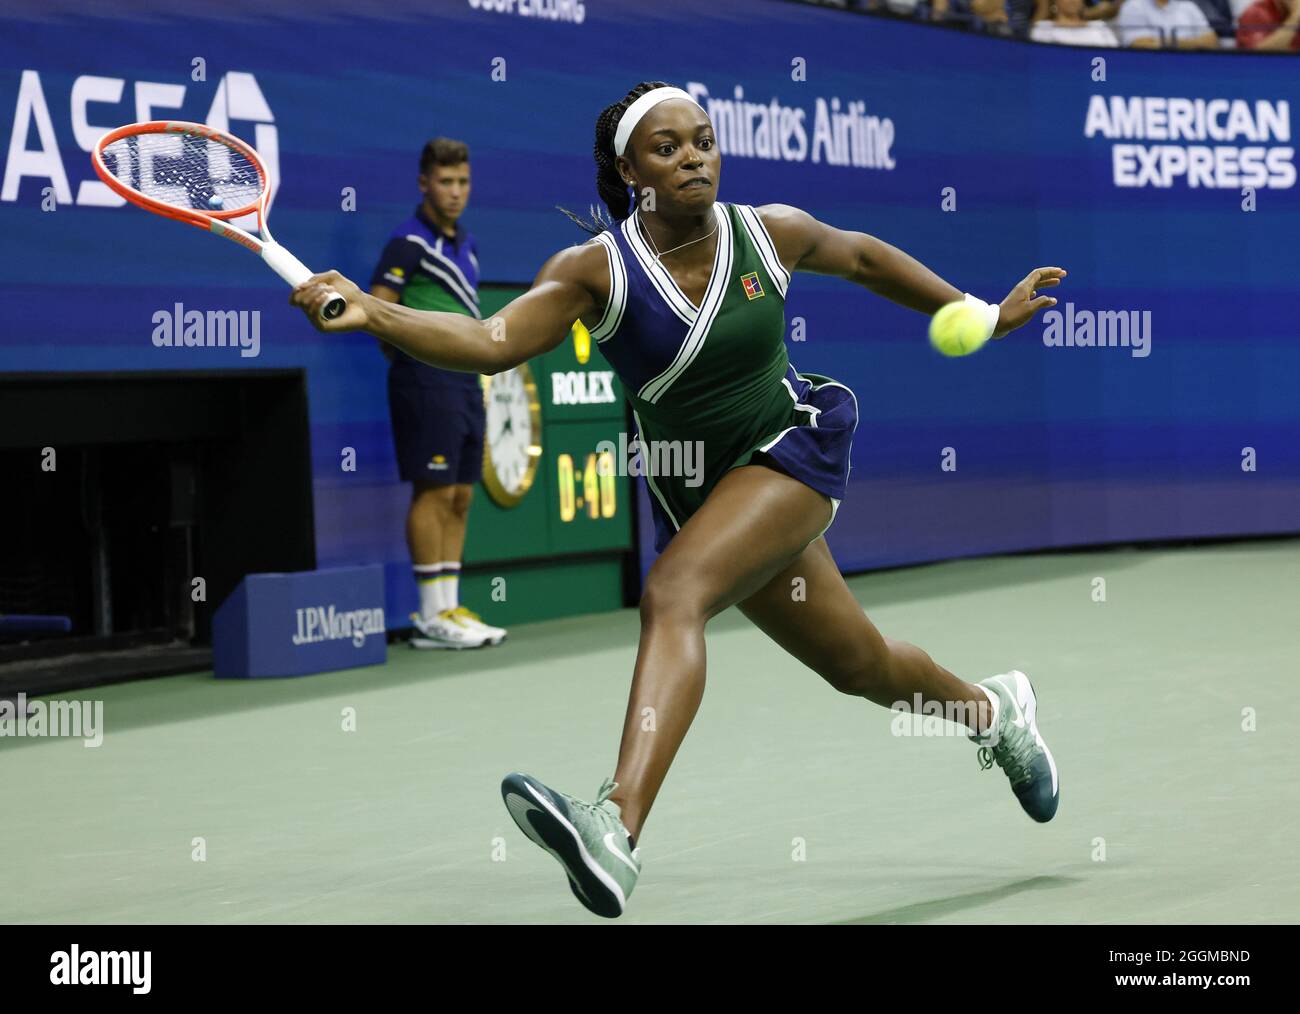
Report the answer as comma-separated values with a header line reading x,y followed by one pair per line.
x,y
185,171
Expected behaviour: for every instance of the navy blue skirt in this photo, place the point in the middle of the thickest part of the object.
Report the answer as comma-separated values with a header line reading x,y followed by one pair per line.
x,y
814,448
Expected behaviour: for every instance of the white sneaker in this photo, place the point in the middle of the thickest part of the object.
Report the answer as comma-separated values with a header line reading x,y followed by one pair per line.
x,y
471,619
444,631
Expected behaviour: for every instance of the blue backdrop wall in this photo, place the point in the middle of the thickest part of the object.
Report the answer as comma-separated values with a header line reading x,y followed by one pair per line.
x,y
1164,183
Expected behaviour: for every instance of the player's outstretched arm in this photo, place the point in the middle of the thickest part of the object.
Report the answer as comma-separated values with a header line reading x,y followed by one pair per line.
x,y
805,244
566,289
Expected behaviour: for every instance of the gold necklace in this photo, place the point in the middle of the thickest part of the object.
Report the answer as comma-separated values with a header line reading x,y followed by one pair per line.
x,y
660,256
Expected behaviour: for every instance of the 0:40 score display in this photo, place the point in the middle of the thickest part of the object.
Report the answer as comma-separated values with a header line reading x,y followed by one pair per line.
x,y
592,489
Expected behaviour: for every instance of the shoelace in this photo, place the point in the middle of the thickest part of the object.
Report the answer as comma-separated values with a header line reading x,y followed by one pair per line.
x,y
606,790
462,617
1014,759
423,623
450,616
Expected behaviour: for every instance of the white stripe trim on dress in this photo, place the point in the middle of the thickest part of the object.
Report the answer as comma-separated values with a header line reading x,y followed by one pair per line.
x,y
667,276
834,383
645,470
815,412
777,439
659,276
610,320
799,406
835,504
714,296
762,241
857,418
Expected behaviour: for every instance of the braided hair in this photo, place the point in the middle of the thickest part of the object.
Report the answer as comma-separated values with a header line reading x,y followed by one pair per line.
x,y
614,193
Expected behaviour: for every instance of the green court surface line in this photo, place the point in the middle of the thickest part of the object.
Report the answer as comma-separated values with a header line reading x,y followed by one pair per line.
x,y
787,803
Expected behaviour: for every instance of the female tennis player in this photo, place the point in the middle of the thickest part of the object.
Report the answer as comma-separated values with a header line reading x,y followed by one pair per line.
x,y
686,301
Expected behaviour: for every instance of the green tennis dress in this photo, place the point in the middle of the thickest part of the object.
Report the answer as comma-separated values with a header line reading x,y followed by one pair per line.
x,y
711,385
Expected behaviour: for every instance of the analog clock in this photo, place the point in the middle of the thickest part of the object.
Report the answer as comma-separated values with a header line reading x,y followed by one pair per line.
x,y
512,443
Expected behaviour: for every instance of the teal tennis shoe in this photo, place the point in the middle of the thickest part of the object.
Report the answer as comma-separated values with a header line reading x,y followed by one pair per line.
x,y
1016,746
588,839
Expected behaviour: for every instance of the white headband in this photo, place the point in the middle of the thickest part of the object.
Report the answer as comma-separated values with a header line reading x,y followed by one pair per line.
x,y
639,108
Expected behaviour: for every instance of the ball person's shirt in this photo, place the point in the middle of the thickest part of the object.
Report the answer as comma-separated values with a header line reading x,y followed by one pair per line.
x,y
430,271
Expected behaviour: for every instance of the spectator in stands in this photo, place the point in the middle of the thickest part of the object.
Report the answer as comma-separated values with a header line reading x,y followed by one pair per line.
x,y
1219,14
994,17
1019,15
1173,24
953,11
1093,10
991,16
1102,10
1270,25
1067,26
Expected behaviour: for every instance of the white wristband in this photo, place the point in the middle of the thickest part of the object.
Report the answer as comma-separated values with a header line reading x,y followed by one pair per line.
x,y
991,312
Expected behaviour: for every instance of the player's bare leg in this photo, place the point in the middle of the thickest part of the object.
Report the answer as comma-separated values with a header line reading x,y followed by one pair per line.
x,y
826,629
754,522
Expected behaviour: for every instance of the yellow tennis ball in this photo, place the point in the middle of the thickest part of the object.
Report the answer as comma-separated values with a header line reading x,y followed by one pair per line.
x,y
958,329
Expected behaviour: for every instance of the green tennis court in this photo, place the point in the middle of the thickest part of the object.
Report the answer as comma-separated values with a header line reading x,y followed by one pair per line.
x,y
788,803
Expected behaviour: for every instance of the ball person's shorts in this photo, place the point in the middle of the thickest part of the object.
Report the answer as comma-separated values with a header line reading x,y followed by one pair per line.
x,y
437,431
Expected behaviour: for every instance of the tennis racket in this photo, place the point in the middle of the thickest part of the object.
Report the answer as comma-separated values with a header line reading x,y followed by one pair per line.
x,y
202,176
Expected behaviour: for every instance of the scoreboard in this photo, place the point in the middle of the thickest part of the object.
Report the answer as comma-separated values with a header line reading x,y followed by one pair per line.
x,y
550,527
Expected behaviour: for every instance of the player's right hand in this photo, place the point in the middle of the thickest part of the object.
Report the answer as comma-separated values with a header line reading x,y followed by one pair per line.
x,y
312,295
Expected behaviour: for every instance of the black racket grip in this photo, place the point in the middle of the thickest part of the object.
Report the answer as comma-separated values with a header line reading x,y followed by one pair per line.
x,y
334,308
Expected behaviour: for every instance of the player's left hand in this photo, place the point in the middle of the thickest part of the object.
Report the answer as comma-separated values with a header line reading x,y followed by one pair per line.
x,y
1023,301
